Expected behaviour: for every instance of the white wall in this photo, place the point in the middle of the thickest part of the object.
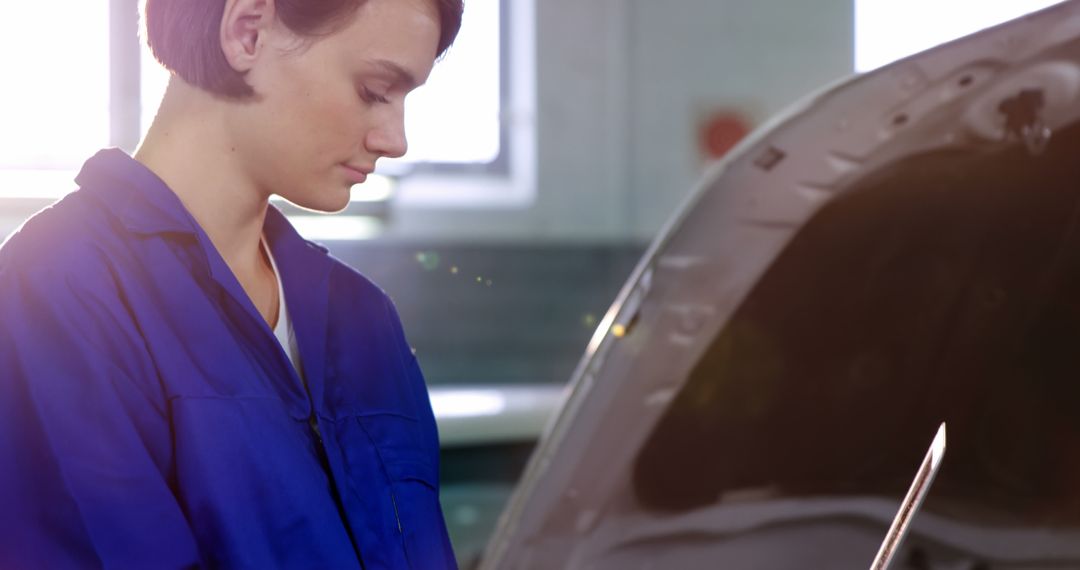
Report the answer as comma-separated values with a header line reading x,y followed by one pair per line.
x,y
621,85
757,56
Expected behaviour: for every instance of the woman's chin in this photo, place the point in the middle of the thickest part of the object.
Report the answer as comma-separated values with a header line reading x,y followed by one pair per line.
x,y
327,203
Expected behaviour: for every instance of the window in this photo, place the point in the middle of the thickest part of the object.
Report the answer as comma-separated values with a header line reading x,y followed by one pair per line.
x,y
886,30
64,104
54,108
454,118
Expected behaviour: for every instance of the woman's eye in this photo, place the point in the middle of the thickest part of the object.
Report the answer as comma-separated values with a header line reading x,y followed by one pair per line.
x,y
370,96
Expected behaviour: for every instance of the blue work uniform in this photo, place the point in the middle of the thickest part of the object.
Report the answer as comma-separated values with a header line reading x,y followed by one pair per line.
x,y
149,418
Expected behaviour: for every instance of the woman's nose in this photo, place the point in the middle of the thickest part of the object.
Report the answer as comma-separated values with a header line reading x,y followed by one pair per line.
x,y
388,139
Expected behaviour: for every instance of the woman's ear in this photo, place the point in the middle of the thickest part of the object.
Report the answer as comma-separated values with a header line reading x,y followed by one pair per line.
x,y
244,26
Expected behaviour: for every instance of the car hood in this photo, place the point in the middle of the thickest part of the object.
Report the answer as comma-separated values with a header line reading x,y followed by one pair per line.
x,y
894,252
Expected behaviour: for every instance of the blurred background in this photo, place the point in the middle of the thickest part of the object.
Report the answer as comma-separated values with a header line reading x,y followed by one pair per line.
x,y
549,147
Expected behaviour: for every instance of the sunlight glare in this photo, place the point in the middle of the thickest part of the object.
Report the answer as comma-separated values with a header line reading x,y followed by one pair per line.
x,y
887,30
54,108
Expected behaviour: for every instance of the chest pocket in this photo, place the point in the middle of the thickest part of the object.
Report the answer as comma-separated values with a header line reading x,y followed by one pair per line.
x,y
392,472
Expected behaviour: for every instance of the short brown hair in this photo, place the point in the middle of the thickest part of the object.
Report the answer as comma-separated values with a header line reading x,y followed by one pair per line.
x,y
184,35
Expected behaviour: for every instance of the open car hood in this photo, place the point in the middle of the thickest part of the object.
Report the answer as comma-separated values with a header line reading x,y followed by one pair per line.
x,y
899,250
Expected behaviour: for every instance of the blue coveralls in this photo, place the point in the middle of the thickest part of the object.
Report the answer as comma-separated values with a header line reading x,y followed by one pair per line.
x,y
150,419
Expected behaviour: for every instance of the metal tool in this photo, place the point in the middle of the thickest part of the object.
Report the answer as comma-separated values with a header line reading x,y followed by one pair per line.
x,y
915,495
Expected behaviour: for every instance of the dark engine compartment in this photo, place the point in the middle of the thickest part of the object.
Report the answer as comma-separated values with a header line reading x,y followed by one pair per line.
x,y
945,288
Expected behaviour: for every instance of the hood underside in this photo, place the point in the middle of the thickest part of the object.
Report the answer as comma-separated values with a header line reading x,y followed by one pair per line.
x,y
900,250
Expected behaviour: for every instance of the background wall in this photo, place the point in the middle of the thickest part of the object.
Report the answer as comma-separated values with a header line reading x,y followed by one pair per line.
x,y
621,86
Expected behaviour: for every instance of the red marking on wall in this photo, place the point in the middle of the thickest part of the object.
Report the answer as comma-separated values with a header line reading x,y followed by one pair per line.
x,y
720,132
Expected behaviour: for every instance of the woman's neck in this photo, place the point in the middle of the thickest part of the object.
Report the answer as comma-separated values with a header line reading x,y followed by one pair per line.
x,y
189,148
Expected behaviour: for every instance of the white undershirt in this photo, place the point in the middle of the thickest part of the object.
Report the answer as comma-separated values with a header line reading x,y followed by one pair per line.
x,y
284,330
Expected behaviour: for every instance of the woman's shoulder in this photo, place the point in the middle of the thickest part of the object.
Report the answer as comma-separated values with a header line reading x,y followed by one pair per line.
x,y
353,293
69,238
349,281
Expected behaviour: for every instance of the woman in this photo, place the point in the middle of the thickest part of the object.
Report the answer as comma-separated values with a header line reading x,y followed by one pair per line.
x,y
184,381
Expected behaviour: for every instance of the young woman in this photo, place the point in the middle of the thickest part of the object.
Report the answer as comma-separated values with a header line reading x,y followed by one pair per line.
x,y
184,380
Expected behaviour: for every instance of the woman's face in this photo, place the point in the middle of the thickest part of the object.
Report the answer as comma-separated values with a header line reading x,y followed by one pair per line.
x,y
326,110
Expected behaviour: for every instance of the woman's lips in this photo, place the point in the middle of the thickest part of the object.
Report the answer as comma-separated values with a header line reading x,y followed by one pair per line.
x,y
356,175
